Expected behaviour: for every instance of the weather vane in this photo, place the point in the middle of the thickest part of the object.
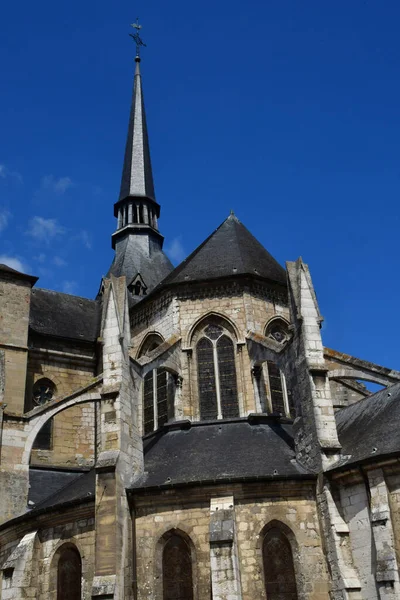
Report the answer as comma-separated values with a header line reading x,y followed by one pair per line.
x,y
136,37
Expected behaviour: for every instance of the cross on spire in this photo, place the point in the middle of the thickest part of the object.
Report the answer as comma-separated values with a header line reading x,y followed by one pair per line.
x,y
137,39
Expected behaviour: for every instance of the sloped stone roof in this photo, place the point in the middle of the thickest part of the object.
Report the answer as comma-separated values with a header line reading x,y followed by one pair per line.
x,y
18,274
132,258
230,250
220,451
369,428
50,488
63,315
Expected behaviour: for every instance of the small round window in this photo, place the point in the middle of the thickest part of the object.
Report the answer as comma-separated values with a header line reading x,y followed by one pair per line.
x,y
278,331
43,391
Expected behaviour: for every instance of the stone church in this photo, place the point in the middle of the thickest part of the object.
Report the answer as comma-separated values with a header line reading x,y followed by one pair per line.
x,y
186,435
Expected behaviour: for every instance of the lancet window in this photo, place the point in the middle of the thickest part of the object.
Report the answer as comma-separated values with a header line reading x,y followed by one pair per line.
x,y
218,394
69,574
279,573
177,569
158,390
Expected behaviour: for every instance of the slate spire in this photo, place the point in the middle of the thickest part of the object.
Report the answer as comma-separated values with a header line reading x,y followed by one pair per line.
x,y
137,175
137,241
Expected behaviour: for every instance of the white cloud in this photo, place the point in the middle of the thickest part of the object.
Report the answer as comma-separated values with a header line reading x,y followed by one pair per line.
x,y
13,262
176,251
84,237
59,262
69,287
4,217
5,173
40,257
58,186
44,230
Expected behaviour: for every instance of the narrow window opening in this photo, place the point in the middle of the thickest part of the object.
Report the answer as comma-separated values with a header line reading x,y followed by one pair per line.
x,y
148,403
206,375
276,388
279,574
227,378
69,575
177,570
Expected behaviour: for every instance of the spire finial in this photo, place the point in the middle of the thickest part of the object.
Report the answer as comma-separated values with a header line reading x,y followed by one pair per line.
x,y
137,39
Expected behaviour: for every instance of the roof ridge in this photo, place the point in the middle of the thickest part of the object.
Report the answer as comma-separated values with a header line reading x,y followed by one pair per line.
x,y
39,289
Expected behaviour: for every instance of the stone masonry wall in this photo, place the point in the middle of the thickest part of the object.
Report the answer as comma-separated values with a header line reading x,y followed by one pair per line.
x,y
14,321
73,429
249,309
41,584
189,512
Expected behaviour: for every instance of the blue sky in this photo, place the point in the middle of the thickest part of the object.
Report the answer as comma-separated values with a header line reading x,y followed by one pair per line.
x,y
286,112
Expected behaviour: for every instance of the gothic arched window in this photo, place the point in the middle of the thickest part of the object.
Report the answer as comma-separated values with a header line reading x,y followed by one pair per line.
x,y
279,574
177,569
69,574
157,390
218,396
281,401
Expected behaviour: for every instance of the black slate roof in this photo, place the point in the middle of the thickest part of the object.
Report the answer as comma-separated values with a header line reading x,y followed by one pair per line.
x,y
44,483
229,250
18,274
63,315
219,451
131,259
369,428
60,488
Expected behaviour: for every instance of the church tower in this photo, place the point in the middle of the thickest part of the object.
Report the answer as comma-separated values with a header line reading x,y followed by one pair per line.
x,y
137,241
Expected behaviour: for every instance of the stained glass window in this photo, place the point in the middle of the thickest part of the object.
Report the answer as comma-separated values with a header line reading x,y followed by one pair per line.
x,y
148,403
227,378
280,580
275,385
69,575
43,391
217,375
162,397
206,374
177,570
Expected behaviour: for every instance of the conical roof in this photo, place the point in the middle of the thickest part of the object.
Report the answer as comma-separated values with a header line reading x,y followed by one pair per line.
x,y
137,175
230,250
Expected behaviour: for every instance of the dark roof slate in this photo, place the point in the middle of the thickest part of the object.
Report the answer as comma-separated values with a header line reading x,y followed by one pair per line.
x,y
230,250
132,258
218,451
63,315
80,486
369,428
44,483
18,274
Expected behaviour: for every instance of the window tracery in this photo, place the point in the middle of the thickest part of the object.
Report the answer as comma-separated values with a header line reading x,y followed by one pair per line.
x,y
216,370
43,391
279,573
277,330
158,390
